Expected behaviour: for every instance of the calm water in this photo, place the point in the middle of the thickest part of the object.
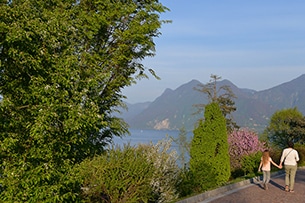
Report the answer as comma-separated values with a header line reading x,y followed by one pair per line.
x,y
147,136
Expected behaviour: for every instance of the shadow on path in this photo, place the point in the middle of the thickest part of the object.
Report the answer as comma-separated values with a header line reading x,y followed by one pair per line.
x,y
281,187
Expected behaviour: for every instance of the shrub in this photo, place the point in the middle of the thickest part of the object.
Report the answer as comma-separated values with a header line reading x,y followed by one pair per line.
x,y
166,170
118,176
250,163
131,174
186,184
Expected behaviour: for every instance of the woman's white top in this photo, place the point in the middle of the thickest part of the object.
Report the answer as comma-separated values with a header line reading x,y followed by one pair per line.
x,y
292,156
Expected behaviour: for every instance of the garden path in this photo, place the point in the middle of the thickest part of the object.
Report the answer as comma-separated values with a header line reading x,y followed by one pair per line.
x,y
252,191
276,193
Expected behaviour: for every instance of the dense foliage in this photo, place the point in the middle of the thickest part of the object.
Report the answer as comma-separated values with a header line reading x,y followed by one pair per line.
x,y
286,125
63,65
210,162
250,163
146,173
243,142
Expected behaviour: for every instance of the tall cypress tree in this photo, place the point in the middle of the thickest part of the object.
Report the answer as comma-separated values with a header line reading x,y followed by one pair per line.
x,y
210,161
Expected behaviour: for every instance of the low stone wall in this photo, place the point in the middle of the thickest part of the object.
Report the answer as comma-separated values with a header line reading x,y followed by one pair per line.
x,y
206,196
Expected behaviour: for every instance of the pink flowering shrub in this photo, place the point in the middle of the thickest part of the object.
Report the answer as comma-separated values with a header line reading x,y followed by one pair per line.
x,y
243,142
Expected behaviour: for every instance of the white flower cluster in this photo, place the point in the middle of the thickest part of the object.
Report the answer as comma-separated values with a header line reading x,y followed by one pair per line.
x,y
166,169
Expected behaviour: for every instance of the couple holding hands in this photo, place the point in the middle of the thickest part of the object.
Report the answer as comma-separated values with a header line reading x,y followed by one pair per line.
x,y
289,158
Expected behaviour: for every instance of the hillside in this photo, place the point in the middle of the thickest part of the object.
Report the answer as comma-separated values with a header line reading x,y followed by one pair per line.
x,y
175,108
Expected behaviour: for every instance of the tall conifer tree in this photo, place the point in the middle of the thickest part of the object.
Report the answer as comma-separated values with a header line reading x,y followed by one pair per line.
x,y
210,161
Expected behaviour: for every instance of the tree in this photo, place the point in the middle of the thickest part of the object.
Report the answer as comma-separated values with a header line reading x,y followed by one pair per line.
x,y
210,161
223,96
63,65
243,142
286,125
183,146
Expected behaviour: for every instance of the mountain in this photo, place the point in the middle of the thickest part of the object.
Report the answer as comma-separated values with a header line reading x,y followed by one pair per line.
x,y
175,108
171,110
135,109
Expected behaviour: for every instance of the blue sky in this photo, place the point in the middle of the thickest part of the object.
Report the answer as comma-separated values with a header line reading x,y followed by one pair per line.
x,y
254,44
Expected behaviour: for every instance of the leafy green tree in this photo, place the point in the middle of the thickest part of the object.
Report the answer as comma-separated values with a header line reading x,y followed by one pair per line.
x,y
210,161
223,95
63,65
286,125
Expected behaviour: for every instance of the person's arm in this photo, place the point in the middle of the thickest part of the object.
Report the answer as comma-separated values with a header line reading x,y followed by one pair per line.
x,y
297,158
260,166
281,165
274,163
281,160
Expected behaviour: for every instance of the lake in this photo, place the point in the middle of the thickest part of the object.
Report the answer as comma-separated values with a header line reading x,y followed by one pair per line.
x,y
147,136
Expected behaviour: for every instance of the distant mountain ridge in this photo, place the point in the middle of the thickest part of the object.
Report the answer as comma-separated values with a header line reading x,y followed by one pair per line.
x,y
175,108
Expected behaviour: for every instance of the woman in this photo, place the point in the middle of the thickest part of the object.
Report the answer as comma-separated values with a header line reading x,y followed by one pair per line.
x,y
265,166
290,157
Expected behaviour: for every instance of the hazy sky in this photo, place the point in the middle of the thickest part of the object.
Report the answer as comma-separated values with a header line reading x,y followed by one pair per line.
x,y
254,44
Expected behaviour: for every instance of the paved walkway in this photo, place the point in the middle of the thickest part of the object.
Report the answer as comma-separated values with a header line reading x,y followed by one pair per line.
x,y
251,191
254,193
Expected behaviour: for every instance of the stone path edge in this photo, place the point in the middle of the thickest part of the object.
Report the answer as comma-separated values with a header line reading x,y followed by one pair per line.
x,y
212,194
